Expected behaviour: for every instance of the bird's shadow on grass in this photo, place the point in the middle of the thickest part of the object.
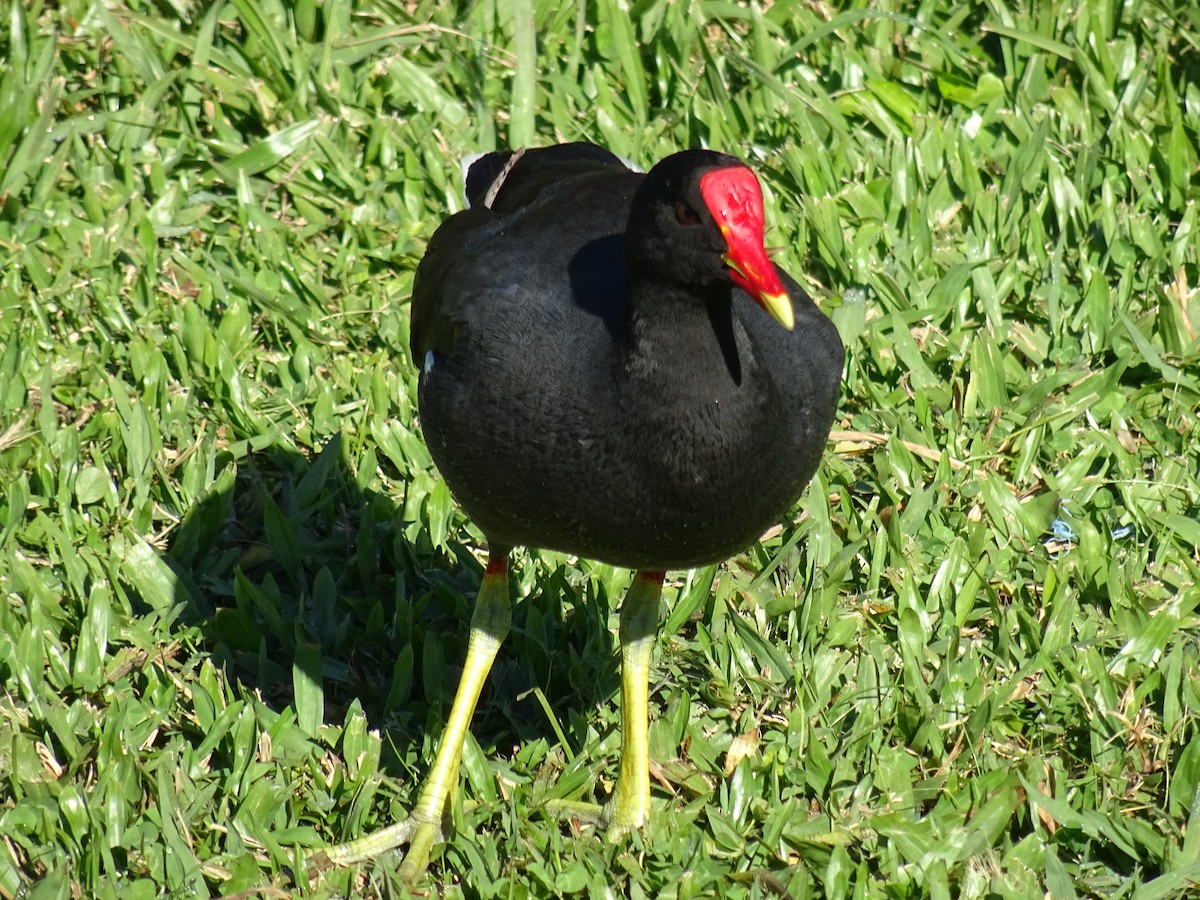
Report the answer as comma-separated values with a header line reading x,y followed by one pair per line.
x,y
293,553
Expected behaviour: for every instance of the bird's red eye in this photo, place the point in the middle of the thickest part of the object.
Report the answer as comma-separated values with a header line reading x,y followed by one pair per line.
x,y
685,215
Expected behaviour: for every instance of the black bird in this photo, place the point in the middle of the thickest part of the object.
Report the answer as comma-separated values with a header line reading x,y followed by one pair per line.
x,y
610,367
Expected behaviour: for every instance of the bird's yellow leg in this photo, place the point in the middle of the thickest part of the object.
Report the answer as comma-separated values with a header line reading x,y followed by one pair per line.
x,y
629,805
423,828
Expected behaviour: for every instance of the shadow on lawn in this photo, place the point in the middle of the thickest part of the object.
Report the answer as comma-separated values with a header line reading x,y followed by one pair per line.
x,y
294,554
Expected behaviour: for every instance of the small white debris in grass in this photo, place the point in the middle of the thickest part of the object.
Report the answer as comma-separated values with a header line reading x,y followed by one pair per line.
x,y
971,126
739,748
49,763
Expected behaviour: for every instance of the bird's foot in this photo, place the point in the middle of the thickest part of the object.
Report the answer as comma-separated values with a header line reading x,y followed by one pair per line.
x,y
615,818
629,806
422,830
420,835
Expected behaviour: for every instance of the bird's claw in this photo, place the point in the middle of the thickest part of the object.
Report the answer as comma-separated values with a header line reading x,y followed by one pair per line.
x,y
421,836
615,820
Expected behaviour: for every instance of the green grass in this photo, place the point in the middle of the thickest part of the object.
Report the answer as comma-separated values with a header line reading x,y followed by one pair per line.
x,y
235,591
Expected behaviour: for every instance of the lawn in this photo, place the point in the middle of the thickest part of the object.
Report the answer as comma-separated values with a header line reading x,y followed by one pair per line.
x,y
236,592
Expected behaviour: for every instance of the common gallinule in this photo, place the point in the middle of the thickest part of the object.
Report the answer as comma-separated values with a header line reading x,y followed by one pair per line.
x,y
610,367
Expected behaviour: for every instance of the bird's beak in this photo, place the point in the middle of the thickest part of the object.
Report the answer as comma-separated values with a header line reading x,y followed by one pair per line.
x,y
734,199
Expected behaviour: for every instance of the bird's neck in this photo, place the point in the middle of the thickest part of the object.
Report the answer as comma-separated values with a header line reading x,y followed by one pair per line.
x,y
670,327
